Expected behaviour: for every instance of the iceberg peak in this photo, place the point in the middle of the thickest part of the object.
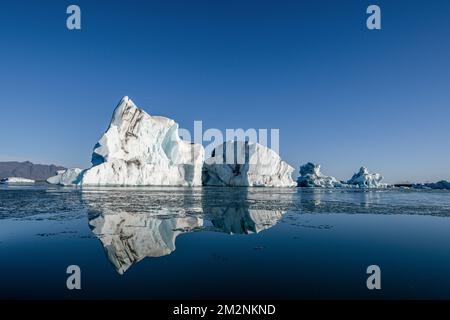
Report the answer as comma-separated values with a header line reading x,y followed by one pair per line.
x,y
310,176
140,149
364,179
125,99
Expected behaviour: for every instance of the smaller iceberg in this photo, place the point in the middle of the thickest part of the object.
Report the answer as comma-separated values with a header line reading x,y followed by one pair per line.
x,y
16,180
364,179
67,177
442,185
311,177
246,164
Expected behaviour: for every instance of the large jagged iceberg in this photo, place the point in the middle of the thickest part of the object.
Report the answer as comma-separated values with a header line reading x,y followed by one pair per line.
x,y
66,177
246,164
364,179
311,177
139,149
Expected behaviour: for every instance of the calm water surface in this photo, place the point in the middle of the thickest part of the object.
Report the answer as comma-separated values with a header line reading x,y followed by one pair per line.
x,y
223,242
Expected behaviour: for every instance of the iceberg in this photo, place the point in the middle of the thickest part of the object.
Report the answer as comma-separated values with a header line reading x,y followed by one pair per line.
x,y
66,177
442,185
310,176
139,149
16,180
246,164
364,179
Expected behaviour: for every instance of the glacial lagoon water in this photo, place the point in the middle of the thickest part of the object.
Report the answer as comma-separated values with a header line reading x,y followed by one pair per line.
x,y
183,243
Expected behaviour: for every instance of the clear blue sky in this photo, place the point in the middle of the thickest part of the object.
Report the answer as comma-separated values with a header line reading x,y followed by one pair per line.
x,y
342,96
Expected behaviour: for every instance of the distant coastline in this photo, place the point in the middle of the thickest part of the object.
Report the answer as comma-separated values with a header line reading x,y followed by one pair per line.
x,y
28,170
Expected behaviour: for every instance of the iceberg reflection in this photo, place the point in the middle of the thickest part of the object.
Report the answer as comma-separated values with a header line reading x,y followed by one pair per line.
x,y
133,224
130,237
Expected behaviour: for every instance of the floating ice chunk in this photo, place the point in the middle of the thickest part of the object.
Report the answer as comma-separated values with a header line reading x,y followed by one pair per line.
x,y
16,180
310,176
66,177
139,149
443,184
240,164
364,179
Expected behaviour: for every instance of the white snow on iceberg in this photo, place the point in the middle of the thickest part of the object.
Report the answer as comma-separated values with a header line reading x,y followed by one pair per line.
x,y
310,176
16,180
364,179
139,149
246,164
66,177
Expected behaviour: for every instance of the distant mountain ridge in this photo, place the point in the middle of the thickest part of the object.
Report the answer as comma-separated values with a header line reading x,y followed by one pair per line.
x,y
28,170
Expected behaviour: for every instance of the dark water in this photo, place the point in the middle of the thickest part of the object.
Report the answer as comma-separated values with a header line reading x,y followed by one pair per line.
x,y
223,242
